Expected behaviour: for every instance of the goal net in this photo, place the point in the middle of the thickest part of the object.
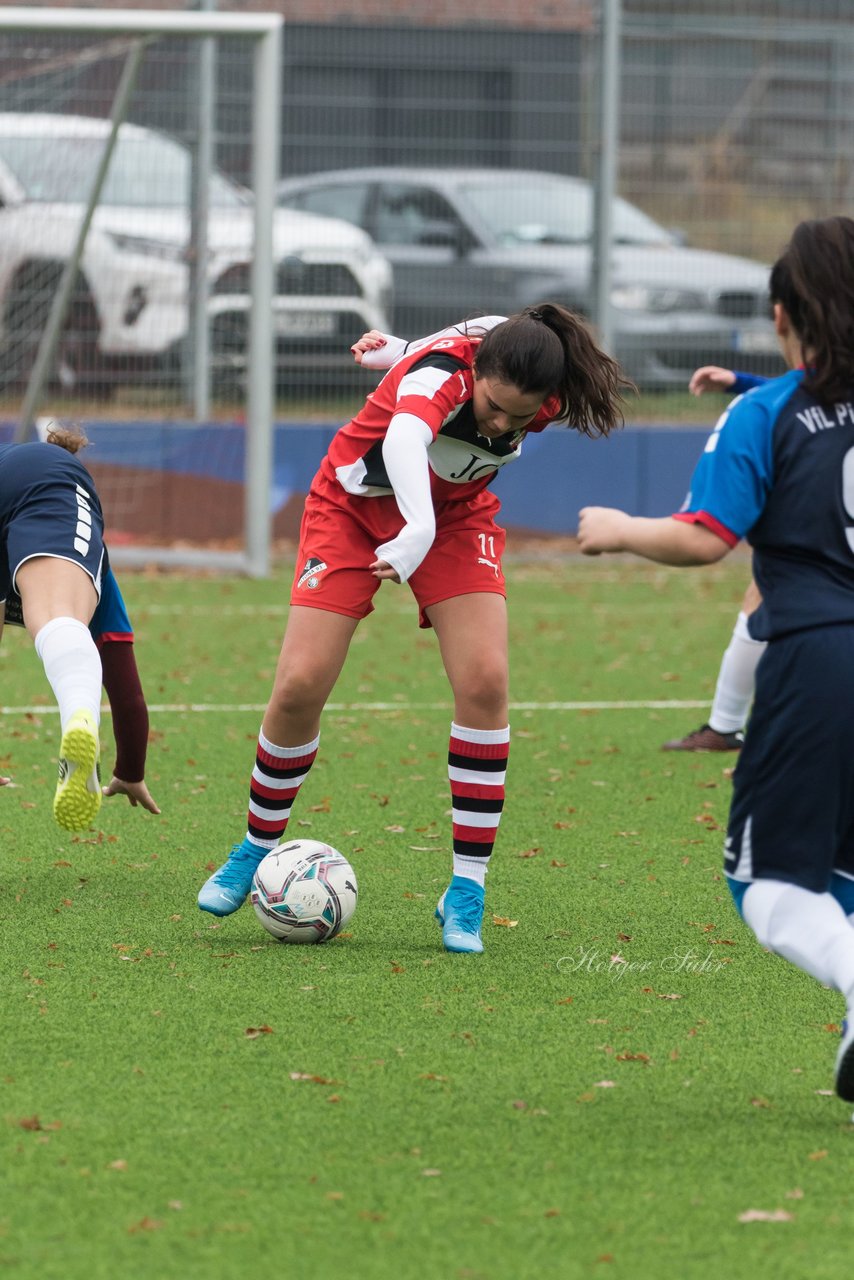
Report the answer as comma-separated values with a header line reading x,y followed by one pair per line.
x,y
143,267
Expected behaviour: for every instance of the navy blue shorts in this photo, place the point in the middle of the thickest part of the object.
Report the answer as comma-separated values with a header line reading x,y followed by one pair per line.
x,y
792,813
48,507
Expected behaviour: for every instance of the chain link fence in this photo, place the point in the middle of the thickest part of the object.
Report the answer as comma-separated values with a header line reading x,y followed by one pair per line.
x,y
734,123
435,164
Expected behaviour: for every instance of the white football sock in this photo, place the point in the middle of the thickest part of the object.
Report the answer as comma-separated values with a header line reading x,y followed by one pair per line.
x,y
72,665
471,868
736,679
809,929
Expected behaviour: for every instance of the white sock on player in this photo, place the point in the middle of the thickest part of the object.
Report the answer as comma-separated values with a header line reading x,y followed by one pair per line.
x,y
72,665
736,679
809,929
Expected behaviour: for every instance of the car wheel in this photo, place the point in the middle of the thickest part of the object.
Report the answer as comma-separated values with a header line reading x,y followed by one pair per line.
x,y
77,367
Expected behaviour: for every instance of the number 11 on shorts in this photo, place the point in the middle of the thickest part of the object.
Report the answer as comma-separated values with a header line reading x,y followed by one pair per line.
x,y
487,551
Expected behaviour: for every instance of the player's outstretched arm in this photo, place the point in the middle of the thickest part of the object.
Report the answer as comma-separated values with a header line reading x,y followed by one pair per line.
x,y
665,540
130,723
377,350
711,377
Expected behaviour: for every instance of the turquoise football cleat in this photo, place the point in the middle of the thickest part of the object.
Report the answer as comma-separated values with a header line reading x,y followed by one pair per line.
x,y
228,888
460,912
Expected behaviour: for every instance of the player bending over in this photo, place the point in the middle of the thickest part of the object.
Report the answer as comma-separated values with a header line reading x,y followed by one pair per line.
x,y
51,560
403,496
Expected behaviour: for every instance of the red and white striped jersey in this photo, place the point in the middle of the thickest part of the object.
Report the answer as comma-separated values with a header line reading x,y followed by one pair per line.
x,y
435,386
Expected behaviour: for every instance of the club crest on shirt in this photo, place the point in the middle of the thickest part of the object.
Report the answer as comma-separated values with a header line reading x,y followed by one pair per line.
x,y
312,569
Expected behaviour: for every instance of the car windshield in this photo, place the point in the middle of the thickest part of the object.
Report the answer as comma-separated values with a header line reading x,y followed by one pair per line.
x,y
554,213
145,171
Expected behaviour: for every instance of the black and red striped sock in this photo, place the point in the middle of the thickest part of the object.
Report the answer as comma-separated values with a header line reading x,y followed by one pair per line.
x,y
277,777
477,767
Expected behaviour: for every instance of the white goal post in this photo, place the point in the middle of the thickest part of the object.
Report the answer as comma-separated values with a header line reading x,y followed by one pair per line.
x,y
264,32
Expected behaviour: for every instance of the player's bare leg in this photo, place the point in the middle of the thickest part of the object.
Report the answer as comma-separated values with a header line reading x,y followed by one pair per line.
x,y
312,655
472,634
58,599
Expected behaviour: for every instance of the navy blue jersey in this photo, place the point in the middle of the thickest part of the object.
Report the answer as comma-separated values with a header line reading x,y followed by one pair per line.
x,y
48,507
779,470
30,469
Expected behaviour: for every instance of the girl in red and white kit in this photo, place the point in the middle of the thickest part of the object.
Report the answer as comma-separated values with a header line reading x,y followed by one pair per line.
x,y
403,495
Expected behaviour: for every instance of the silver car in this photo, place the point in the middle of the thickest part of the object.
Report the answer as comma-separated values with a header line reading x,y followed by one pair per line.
x,y
470,241
129,315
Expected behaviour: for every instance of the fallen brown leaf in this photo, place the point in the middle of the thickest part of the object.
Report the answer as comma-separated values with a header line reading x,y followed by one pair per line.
x,y
766,1215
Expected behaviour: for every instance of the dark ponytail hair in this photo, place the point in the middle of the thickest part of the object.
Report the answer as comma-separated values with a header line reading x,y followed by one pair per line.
x,y
550,350
814,280
71,439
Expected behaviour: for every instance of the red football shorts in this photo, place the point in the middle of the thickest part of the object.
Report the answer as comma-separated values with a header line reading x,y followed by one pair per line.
x,y
339,535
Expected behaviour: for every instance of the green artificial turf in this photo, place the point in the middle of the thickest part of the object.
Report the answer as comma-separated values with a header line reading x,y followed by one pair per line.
x,y
607,1091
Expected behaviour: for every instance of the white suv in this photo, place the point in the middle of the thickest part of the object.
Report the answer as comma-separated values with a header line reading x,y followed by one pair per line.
x,y
130,312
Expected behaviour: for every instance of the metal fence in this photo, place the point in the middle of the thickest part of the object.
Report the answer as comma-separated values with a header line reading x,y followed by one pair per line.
x,y
435,164
734,122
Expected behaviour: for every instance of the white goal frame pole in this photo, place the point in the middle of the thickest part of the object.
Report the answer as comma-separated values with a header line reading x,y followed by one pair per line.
x,y
266,31
260,405
136,22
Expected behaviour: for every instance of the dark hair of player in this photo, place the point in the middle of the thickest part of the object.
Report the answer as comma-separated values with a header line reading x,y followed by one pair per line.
x,y
550,350
70,438
814,280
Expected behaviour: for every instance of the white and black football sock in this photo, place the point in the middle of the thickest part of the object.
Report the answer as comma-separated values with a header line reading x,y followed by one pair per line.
x,y
276,779
477,768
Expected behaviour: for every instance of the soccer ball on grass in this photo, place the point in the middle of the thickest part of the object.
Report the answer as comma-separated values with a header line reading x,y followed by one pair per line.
x,y
304,891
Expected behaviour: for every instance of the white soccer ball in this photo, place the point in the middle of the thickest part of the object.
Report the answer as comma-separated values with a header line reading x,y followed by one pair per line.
x,y
304,891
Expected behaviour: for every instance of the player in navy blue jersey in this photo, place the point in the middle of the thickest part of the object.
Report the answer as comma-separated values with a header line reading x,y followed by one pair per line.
x,y
724,729
779,470
52,568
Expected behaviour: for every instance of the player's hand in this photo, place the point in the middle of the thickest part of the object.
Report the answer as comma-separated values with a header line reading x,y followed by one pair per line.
x,y
370,341
5,782
136,792
383,570
601,529
711,377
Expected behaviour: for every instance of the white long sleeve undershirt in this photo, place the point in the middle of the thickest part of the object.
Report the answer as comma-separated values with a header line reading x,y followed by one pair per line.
x,y
395,348
405,454
405,457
